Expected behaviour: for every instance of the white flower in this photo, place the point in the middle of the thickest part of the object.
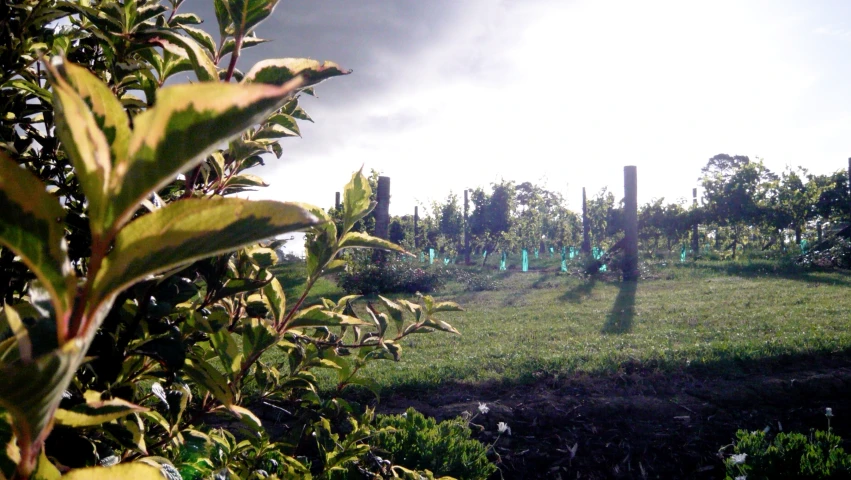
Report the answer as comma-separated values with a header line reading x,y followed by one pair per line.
x,y
503,427
405,415
828,412
483,408
739,459
742,477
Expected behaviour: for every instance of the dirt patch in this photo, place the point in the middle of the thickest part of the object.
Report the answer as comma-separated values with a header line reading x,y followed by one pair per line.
x,y
642,424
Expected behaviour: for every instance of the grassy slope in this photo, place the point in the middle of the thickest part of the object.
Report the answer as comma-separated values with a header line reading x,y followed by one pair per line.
x,y
711,314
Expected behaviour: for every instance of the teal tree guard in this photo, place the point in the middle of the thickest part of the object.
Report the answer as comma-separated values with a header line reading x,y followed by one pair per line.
x,y
430,256
597,252
536,254
563,259
503,261
525,260
422,257
572,252
552,251
805,246
683,253
446,261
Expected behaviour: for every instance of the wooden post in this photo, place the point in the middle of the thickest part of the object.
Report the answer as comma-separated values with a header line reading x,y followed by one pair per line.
x,y
695,243
466,227
586,228
630,208
337,200
382,210
416,225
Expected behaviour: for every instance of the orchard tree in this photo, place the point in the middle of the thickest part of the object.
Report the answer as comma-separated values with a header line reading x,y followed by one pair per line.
x,y
735,192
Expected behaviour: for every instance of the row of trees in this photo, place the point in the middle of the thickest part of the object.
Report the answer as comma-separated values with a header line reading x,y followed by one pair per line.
x,y
743,203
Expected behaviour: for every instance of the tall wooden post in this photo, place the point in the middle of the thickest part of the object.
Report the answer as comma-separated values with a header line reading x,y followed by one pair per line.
x,y
586,228
337,201
466,227
416,225
630,208
695,244
382,210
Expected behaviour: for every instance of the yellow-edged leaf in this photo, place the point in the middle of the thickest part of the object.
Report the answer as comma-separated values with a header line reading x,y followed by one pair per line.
x,y
281,70
189,230
84,141
276,300
32,392
96,412
187,123
363,240
134,471
31,226
316,316
207,377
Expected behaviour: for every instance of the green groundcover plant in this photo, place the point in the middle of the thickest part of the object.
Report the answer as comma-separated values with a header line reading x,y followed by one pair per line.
x,y
788,455
137,302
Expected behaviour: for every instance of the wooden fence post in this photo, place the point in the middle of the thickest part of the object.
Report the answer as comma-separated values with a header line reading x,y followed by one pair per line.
x,y
466,227
586,228
382,210
416,225
695,244
630,206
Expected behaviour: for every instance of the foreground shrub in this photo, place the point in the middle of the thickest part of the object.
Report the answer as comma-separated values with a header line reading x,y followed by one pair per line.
x,y
365,277
788,455
138,303
444,448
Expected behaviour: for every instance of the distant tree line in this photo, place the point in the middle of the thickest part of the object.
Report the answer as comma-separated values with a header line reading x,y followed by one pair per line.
x,y
743,203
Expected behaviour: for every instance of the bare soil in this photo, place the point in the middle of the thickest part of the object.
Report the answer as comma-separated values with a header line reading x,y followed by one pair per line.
x,y
641,424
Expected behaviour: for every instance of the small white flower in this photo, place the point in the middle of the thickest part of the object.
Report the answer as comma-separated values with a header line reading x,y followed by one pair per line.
x,y
503,427
739,459
483,408
405,415
742,477
828,412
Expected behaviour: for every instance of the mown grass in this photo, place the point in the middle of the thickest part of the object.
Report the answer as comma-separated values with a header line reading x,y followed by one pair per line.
x,y
717,315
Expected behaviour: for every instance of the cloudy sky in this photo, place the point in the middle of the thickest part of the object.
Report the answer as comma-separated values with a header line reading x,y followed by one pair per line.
x,y
455,94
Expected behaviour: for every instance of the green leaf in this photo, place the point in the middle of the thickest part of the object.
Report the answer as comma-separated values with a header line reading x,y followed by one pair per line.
x,y
31,226
183,128
45,470
202,37
396,313
32,392
83,140
186,19
246,14
207,377
225,346
247,42
356,200
363,240
175,43
136,471
222,17
286,122
234,286
276,300
369,383
257,336
190,230
281,70
317,317
94,413
446,307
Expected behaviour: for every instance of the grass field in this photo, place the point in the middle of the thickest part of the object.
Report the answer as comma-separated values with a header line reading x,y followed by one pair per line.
x,y
708,315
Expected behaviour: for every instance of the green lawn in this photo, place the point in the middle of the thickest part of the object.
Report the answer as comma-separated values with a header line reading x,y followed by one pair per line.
x,y
709,315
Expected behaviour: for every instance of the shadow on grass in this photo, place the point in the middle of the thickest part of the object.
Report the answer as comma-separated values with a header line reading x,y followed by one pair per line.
x,y
772,268
622,313
579,292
